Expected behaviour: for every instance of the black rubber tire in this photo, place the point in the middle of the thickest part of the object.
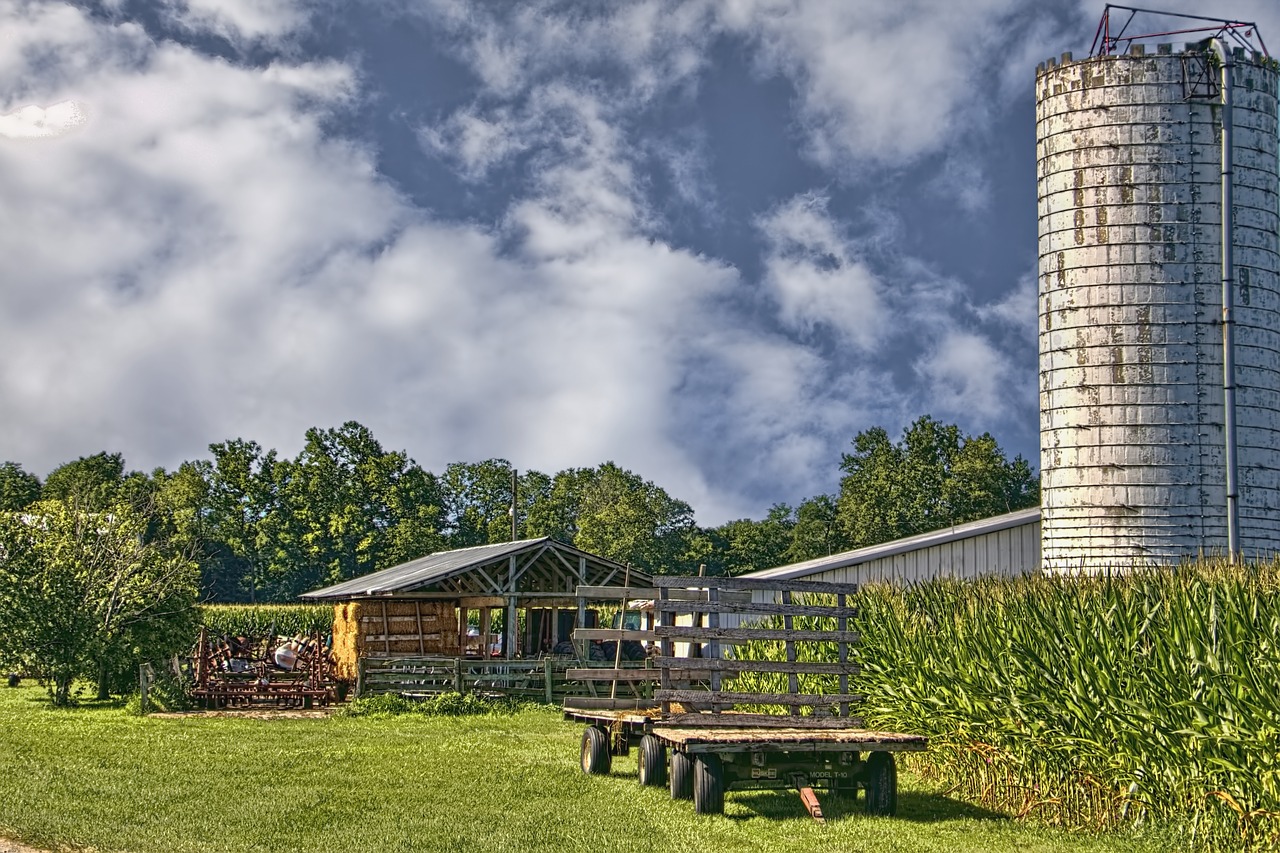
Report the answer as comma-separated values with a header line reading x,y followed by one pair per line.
x,y
708,784
881,782
595,758
652,762
681,776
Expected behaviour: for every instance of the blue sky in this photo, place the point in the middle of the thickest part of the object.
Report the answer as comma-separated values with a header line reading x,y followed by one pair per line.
x,y
710,241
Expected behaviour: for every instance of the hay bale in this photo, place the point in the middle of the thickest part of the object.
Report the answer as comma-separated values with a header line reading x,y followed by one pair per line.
x,y
409,628
348,644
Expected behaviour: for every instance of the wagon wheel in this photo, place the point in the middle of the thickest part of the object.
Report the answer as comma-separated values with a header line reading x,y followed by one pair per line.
x,y
881,782
708,784
653,762
595,758
681,776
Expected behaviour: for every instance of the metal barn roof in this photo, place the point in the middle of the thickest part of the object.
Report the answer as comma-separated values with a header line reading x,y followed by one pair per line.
x,y
900,546
463,571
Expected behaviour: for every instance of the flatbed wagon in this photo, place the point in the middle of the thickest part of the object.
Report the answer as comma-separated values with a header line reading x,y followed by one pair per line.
x,y
702,740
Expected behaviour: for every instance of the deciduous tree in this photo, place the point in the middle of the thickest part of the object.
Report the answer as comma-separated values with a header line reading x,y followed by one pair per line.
x,y
934,477
83,594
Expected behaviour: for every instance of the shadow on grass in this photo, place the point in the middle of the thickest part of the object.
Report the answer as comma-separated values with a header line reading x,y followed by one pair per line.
x,y
31,694
913,806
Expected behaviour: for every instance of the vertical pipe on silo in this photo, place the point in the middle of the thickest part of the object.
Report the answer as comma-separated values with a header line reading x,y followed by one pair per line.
x,y
1228,305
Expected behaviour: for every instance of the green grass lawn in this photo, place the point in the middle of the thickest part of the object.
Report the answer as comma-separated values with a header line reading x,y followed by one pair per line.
x,y
94,777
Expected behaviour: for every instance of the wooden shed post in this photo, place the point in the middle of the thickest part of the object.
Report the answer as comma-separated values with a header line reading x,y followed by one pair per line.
x,y
509,636
582,602
509,631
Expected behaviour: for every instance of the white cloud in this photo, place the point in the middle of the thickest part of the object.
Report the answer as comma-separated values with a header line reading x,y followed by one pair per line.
x,y
815,275
967,377
1016,310
241,22
36,122
205,259
962,180
886,83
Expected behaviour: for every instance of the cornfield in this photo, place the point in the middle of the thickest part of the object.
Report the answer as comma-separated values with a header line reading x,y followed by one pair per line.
x,y
1149,698
259,620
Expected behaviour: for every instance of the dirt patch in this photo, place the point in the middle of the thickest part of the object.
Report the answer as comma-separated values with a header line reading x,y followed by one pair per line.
x,y
10,846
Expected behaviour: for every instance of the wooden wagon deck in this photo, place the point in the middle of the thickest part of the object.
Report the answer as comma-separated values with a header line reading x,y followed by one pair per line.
x,y
705,734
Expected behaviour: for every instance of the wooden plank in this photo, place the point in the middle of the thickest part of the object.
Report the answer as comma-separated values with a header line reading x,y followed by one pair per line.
x,y
614,593
747,635
812,699
401,618
730,665
602,674
417,606
674,582
842,624
738,721
665,645
788,624
770,609
603,703
613,634
384,638
713,622
386,628
617,593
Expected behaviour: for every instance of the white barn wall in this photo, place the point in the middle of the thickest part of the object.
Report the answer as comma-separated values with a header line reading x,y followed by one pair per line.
x,y
1006,545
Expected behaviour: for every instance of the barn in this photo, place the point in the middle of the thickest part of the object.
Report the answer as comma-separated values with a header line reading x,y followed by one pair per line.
x,y
425,607
1006,544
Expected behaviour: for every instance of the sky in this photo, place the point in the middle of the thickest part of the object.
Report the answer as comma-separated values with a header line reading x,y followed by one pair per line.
x,y
708,241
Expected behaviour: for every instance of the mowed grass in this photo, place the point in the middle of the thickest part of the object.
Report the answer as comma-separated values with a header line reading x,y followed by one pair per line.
x,y
94,777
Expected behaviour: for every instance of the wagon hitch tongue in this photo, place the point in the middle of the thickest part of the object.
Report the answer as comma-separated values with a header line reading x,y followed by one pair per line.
x,y
808,797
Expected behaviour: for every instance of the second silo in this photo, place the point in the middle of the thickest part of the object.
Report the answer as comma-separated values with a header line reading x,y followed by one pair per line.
x,y
1133,465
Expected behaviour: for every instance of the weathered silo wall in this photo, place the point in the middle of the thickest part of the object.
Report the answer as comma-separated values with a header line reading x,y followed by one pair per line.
x,y
1131,377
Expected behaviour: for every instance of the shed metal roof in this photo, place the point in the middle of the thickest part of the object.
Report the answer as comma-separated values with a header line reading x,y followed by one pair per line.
x,y
434,568
900,546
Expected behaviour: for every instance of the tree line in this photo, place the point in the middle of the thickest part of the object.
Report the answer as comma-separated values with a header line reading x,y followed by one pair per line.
x,y
263,528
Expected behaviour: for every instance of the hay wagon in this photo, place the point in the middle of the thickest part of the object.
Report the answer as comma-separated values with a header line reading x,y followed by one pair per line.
x,y
721,717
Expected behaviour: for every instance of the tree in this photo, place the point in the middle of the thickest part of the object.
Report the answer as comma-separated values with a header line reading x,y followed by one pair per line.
x,y
629,519
89,483
477,500
18,488
935,477
817,531
240,495
84,595
345,507
745,545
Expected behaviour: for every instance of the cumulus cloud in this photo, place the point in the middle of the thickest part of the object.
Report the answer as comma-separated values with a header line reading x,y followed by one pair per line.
x,y
242,22
36,122
815,274
966,376
211,256
886,83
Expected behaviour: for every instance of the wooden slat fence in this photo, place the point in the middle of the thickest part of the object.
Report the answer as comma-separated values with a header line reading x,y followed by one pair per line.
x,y
719,676
548,680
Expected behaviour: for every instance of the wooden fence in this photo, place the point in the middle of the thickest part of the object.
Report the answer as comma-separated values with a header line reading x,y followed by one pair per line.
x,y
546,680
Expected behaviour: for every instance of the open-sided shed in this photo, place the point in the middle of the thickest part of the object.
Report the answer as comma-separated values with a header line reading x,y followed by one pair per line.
x,y
422,607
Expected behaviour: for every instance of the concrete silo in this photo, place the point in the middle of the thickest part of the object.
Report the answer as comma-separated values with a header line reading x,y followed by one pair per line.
x,y
1134,431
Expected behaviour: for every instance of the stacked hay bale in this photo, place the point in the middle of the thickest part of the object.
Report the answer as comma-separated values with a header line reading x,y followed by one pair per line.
x,y
392,628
